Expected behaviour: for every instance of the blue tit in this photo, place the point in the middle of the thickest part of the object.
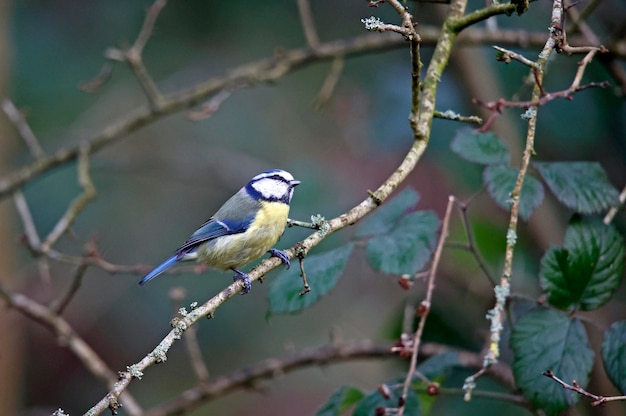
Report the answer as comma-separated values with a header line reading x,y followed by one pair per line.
x,y
244,228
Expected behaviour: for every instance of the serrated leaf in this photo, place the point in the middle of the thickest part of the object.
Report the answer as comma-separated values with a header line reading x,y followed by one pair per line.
x,y
614,354
483,148
368,406
500,181
382,220
543,340
581,186
323,272
340,401
587,270
407,247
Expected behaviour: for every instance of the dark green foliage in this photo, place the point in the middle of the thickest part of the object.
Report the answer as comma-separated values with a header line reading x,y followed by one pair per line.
x,y
500,181
340,401
407,247
581,186
482,148
614,354
368,406
384,218
323,271
586,271
543,340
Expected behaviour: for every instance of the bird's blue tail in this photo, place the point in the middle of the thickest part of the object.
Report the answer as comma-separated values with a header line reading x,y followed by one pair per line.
x,y
159,269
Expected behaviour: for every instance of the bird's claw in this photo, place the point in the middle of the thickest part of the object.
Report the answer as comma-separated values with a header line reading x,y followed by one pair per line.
x,y
247,286
284,258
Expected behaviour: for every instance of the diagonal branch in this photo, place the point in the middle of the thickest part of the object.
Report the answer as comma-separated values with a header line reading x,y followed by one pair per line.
x,y
89,358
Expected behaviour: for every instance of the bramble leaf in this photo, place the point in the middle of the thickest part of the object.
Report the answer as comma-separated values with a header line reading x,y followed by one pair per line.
x,y
587,270
500,181
546,339
581,186
384,218
407,247
323,272
614,354
482,148
340,401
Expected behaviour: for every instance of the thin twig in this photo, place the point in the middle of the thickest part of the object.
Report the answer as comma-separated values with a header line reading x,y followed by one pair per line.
x,y
307,288
79,203
608,218
597,400
471,241
77,280
24,130
133,55
330,83
210,107
425,306
94,84
33,240
452,116
148,25
308,25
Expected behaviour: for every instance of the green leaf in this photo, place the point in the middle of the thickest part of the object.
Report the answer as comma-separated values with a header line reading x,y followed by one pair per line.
x,y
500,181
614,354
340,401
407,247
382,220
546,339
483,148
367,406
322,270
587,270
435,368
581,186
438,364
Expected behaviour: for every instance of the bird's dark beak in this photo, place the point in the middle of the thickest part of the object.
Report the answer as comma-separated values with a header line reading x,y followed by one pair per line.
x,y
294,183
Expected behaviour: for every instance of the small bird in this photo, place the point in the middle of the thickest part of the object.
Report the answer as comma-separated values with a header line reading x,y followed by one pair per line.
x,y
244,228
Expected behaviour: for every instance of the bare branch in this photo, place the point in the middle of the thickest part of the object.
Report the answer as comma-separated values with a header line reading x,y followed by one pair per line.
x,y
248,75
597,400
89,192
425,306
19,121
308,25
88,357
330,83
267,369
77,280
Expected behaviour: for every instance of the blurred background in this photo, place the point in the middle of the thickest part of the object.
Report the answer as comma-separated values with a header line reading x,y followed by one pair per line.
x,y
158,184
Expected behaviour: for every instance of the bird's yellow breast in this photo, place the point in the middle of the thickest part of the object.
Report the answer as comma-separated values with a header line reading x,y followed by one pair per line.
x,y
237,250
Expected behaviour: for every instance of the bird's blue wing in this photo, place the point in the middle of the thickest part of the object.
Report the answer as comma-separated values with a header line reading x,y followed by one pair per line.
x,y
212,229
